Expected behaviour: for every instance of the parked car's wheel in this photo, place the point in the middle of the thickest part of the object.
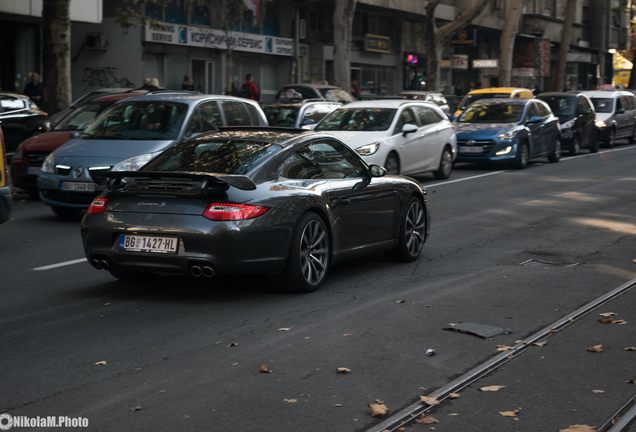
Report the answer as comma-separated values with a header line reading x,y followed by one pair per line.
x,y
611,138
392,164
555,155
66,212
309,256
412,231
576,146
445,165
523,154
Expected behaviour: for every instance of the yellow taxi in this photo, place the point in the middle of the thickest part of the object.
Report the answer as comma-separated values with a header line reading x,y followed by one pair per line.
x,y
5,190
492,92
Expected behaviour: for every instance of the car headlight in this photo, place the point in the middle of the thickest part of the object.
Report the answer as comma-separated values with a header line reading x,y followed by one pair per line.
x,y
133,163
506,135
600,124
504,151
369,149
48,166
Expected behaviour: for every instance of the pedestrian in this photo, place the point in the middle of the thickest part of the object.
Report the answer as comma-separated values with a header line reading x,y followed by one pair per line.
x,y
33,88
187,83
150,84
249,89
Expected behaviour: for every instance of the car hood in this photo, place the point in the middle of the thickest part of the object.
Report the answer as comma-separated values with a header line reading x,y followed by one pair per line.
x,y
113,149
355,139
603,116
482,130
47,141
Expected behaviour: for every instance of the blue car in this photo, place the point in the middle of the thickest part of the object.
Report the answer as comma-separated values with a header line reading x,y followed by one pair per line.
x,y
511,131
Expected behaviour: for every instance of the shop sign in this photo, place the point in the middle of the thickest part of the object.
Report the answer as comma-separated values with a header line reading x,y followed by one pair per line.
x,y
579,57
544,56
523,72
459,61
465,38
175,34
377,43
485,63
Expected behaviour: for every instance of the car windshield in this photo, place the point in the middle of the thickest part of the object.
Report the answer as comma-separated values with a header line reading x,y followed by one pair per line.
x,y
81,117
281,116
468,99
492,113
562,106
358,119
603,105
227,156
147,120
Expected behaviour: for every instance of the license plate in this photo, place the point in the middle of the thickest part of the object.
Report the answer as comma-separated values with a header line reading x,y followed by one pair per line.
x,y
136,243
471,149
33,170
78,186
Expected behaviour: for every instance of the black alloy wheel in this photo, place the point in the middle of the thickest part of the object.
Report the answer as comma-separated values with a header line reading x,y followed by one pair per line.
x,y
309,257
445,165
412,231
392,164
555,155
523,154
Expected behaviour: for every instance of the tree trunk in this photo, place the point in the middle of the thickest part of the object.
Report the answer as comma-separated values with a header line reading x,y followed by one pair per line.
x,y
342,24
56,59
566,37
508,36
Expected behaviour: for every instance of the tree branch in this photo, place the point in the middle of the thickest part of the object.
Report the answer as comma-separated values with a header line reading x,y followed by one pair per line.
x,y
463,19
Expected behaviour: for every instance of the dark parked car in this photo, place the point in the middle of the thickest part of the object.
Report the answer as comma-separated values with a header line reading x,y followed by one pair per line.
x,y
316,91
508,130
265,201
20,118
5,191
296,113
577,116
30,154
615,115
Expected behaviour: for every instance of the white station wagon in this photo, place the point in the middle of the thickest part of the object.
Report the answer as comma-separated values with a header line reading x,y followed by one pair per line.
x,y
406,137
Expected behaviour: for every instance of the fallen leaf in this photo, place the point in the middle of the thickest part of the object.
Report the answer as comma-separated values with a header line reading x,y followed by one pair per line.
x,y
235,364
630,348
101,363
136,408
106,304
264,369
454,395
631,381
509,413
453,414
598,391
503,348
540,344
427,420
232,344
343,370
610,320
492,388
619,322
453,324
429,400
347,334
291,401
607,314
285,328
595,348
378,408
578,428
338,405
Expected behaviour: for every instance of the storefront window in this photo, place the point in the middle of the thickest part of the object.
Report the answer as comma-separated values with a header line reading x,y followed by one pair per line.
x,y
375,80
177,11
201,13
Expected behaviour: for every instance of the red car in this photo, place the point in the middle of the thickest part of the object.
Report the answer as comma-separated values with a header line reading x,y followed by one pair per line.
x,y
30,154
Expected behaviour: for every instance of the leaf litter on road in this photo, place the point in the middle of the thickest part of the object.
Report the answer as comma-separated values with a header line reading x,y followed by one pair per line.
x,y
343,370
426,420
492,388
595,348
378,408
264,369
101,363
578,428
429,400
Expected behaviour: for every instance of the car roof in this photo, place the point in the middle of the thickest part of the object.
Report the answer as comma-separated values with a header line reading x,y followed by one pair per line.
x,y
186,98
270,134
606,93
387,103
560,94
512,101
114,97
314,85
498,90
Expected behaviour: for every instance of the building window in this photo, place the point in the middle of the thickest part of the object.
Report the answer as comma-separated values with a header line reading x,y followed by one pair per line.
x,y
549,7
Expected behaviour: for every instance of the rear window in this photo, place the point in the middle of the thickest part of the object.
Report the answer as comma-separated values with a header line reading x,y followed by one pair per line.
x,y
10,103
281,116
562,106
233,156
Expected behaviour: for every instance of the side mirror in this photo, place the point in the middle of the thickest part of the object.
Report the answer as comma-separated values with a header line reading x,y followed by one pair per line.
x,y
377,171
534,119
408,128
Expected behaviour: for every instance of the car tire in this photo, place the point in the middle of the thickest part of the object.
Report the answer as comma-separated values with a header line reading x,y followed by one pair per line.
x,y
445,165
412,231
576,146
555,155
309,256
66,212
392,164
523,155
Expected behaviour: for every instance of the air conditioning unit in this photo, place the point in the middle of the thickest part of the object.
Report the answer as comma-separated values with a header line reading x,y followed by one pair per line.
x,y
96,41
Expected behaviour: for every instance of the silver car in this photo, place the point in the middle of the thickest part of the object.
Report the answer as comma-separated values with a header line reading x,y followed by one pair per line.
x,y
129,134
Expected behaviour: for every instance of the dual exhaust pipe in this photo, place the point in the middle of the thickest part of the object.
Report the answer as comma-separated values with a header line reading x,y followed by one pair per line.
x,y
100,263
198,271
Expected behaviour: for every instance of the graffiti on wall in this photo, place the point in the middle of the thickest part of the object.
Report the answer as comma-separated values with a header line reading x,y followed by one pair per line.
x,y
103,77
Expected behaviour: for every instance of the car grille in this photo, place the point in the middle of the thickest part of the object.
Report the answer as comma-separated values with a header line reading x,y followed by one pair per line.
x,y
36,159
70,197
62,171
486,145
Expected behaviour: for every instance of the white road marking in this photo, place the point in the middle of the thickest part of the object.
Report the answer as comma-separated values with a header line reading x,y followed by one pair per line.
x,y
62,264
467,178
569,158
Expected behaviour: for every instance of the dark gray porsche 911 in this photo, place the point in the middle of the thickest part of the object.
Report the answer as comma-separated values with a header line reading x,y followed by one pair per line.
x,y
280,202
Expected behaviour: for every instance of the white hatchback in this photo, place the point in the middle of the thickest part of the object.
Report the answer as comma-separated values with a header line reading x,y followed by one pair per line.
x,y
406,137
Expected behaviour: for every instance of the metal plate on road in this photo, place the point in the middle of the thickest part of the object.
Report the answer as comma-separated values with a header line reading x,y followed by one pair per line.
x,y
464,149
136,243
78,186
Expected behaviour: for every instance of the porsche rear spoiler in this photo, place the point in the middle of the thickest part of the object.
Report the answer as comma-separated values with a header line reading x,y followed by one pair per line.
x,y
238,181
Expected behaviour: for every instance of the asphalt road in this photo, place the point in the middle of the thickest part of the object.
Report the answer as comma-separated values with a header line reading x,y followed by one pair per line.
x,y
183,356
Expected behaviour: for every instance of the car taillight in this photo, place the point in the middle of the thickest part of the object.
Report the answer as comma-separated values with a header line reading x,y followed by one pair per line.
x,y
230,211
98,206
